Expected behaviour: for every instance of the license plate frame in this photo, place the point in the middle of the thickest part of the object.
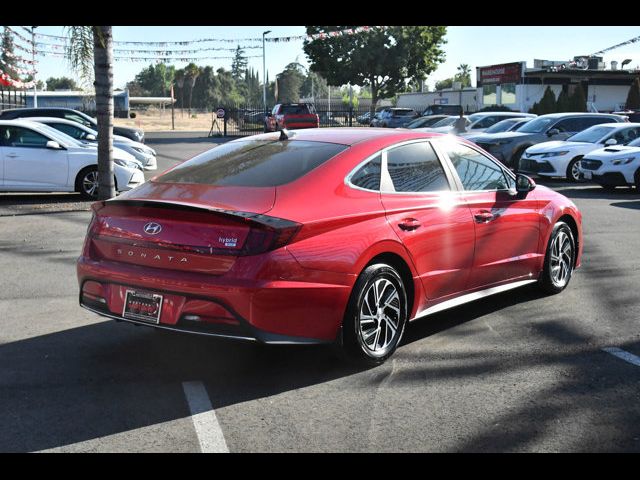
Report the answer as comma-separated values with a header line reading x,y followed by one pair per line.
x,y
135,299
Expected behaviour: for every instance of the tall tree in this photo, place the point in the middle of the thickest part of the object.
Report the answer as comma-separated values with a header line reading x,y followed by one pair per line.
x,y
192,72
239,64
289,82
633,97
464,75
381,59
7,62
94,45
578,99
547,102
180,79
61,83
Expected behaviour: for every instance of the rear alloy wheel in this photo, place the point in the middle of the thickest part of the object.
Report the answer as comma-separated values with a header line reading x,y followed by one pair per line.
x,y
573,171
559,259
376,316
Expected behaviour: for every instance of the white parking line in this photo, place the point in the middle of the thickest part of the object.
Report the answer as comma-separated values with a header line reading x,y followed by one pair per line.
x,y
623,355
204,419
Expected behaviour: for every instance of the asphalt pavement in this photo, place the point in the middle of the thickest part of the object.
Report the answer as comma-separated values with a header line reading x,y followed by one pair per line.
x,y
516,372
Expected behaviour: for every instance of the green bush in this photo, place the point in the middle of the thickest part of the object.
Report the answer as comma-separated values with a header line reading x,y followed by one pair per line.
x,y
633,98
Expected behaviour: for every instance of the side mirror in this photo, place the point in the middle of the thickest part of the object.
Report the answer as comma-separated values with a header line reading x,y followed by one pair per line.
x,y
91,137
53,145
611,141
524,183
552,132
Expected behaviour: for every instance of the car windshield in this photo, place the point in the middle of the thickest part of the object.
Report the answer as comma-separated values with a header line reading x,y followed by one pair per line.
x,y
537,125
253,163
417,123
591,135
635,143
445,122
501,126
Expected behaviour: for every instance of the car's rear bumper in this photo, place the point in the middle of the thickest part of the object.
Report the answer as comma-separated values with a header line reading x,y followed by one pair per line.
x,y
278,311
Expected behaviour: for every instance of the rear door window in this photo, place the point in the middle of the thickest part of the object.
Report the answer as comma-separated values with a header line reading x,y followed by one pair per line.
x,y
415,167
253,163
476,171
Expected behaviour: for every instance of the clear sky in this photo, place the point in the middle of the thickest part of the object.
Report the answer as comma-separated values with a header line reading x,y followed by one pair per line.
x,y
476,46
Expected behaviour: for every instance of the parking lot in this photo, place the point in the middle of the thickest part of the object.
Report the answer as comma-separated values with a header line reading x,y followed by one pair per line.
x,y
517,372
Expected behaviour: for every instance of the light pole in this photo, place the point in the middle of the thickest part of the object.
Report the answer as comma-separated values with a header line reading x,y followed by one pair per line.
x,y
33,58
264,75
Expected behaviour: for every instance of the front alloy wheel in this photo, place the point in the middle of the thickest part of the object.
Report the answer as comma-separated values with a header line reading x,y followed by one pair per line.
x,y
573,171
376,316
559,259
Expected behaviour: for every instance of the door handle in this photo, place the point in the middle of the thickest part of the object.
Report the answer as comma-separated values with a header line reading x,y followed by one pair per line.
x,y
483,216
409,224
11,155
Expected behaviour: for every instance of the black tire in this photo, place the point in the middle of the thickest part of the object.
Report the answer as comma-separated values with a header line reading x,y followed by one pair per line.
x,y
636,178
570,171
82,186
549,281
354,332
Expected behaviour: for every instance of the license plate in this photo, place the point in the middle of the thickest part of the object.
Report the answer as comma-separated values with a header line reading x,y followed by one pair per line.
x,y
142,306
587,175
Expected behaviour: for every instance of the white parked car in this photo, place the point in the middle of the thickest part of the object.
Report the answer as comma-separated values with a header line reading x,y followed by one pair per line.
x,y
561,158
37,158
613,166
142,153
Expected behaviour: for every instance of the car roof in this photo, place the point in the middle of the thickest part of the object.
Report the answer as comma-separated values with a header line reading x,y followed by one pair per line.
x,y
52,120
346,135
578,114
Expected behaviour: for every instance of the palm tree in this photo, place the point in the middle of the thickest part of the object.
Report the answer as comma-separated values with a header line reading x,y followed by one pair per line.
x,y
464,74
93,46
192,72
179,78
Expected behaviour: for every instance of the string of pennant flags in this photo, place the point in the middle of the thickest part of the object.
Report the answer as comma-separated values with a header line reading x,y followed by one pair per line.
x,y
628,42
7,81
57,46
157,59
315,36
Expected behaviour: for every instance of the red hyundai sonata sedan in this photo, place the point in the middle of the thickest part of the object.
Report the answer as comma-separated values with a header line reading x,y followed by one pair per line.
x,y
324,235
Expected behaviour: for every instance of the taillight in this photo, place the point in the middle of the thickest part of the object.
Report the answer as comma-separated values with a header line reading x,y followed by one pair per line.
x,y
263,238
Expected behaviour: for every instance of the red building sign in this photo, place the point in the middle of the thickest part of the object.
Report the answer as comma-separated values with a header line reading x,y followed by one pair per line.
x,y
497,74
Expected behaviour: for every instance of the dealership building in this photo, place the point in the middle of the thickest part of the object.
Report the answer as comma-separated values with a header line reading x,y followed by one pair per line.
x,y
517,87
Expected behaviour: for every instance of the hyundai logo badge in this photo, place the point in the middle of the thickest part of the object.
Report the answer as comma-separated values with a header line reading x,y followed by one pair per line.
x,y
152,228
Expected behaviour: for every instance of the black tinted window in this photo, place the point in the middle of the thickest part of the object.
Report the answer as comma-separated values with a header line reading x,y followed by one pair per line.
x,y
11,136
253,163
476,171
416,168
368,176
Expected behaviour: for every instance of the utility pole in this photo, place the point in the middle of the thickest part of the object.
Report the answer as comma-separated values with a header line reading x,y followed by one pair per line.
x,y
33,58
264,74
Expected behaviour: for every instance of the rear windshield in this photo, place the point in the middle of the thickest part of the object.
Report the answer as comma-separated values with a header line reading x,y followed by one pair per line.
x,y
295,110
253,163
